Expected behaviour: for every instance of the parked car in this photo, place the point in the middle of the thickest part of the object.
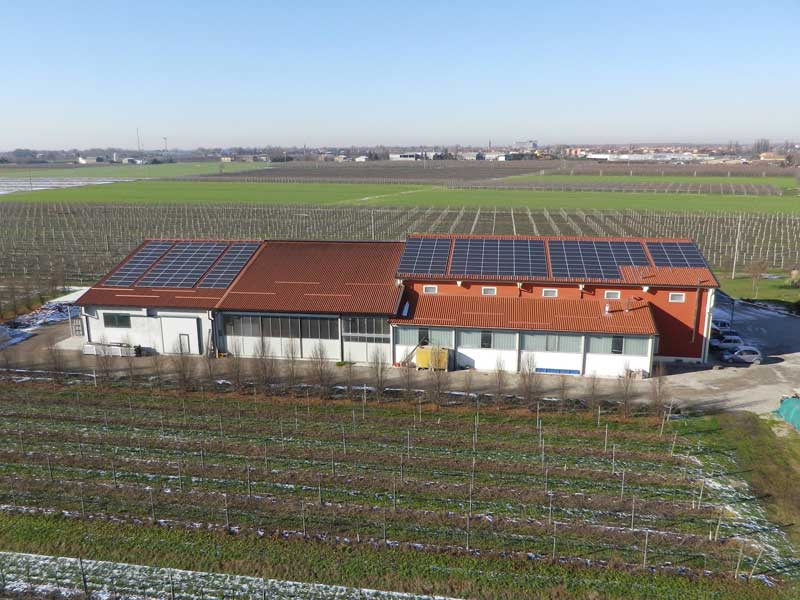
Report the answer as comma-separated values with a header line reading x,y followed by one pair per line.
x,y
726,342
743,354
717,334
720,324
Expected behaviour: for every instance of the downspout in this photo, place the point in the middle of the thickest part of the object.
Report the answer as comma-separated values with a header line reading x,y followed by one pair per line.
x,y
709,315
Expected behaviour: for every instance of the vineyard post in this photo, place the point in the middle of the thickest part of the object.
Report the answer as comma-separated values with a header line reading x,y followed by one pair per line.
x,y
303,515
83,577
83,506
716,531
633,511
344,442
319,488
605,443
674,440
49,468
613,459
554,542
755,564
180,478
738,562
622,489
227,514
249,484
550,511
646,541
171,586
394,493
152,506
333,464
700,499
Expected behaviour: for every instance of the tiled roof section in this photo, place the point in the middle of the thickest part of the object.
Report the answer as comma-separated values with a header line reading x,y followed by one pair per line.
x,y
481,312
319,277
151,298
629,275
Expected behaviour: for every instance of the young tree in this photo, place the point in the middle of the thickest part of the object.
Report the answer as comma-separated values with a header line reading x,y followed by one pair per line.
x,y
794,278
409,375
292,357
467,383
378,371
5,349
104,361
321,369
529,379
499,379
56,363
592,385
267,367
235,365
659,392
563,390
349,376
625,386
182,365
757,269
436,384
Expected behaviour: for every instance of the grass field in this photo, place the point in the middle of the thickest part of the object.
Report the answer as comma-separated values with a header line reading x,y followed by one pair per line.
x,y
503,502
130,171
171,192
768,289
780,182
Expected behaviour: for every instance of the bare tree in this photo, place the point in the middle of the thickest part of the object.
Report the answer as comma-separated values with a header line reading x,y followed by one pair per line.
x,y
292,367
409,375
436,384
211,367
659,390
5,349
499,379
378,369
625,386
467,383
157,368
130,363
529,379
267,367
563,390
794,278
757,270
182,365
592,385
235,365
56,363
349,376
321,369
104,361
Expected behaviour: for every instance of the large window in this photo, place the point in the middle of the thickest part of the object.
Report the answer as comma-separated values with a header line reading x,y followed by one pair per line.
x,y
617,344
116,321
411,336
497,340
374,330
551,342
323,328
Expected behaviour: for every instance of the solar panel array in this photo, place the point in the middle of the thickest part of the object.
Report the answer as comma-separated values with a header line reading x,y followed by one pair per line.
x,y
227,268
676,254
426,256
520,258
142,260
589,259
183,265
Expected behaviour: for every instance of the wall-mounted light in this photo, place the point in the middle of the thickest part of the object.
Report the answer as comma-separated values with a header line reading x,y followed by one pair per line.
x,y
645,288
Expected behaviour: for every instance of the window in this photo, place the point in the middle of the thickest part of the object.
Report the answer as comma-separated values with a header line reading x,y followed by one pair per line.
x,y
502,340
551,342
486,339
612,295
488,291
549,293
441,337
469,338
430,289
115,320
499,340
617,344
677,297
372,330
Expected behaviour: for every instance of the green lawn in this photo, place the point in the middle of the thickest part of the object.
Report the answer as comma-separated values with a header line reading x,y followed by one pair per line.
x,y
132,171
768,289
781,182
159,192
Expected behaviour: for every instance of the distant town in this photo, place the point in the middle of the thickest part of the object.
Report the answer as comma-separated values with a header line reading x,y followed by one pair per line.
x,y
762,150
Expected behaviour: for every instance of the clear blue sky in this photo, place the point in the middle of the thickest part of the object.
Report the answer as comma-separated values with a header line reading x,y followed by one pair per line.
x,y
81,74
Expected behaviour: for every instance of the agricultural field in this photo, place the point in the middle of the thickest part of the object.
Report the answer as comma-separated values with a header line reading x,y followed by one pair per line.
x,y
399,195
787,182
418,495
46,245
109,171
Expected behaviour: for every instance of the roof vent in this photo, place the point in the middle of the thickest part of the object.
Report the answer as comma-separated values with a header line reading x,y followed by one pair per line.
x,y
608,308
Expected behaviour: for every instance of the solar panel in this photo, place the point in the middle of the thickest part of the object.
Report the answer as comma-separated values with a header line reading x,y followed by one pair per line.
x,y
589,259
515,258
142,260
425,256
227,268
183,265
676,254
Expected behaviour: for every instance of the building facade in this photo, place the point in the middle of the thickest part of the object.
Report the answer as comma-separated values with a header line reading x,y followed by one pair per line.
x,y
578,306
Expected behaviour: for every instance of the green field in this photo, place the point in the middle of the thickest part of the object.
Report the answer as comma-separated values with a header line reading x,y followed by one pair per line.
x,y
170,192
768,289
780,182
130,171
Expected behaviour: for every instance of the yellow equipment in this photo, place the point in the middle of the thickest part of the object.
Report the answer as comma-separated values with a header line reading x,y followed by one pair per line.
x,y
432,357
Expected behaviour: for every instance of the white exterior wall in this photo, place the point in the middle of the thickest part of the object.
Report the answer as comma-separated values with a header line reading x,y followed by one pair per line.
x,y
615,365
246,345
156,329
572,361
364,352
486,359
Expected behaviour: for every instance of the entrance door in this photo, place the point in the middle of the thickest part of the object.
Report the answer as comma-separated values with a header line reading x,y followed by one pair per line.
x,y
185,347
77,327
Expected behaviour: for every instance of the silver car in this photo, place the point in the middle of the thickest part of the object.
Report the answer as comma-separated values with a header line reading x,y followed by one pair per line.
x,y
743,354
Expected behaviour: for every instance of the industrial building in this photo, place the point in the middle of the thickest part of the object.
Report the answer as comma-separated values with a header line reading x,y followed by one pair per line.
x,y
603,306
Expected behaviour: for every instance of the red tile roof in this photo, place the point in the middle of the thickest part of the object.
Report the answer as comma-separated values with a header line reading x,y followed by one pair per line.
x,y
319,277
630,275
482,312
294,276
